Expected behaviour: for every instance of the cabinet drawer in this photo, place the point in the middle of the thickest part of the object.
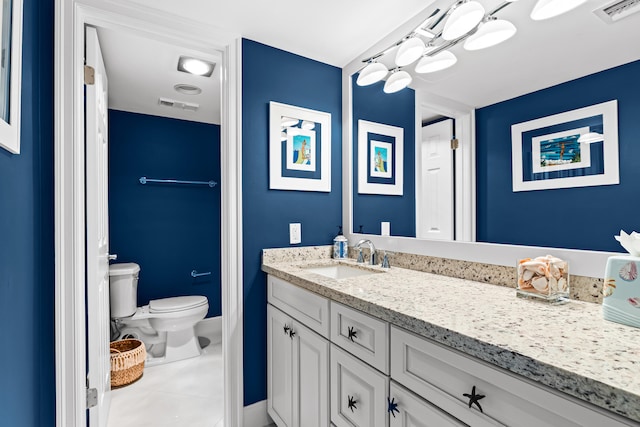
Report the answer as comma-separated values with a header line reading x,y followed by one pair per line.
x,y
412,411
442,376
308,308
361,335
358,392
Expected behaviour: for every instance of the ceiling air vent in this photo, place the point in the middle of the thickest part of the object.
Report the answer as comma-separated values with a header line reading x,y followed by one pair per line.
x,y
178,105
615,11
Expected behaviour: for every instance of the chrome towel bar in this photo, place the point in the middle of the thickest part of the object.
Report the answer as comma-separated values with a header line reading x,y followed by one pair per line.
x,y
144,180
194,273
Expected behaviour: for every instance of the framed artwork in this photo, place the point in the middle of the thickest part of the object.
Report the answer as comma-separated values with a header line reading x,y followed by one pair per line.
x,y
549,152
380,158
299,148
10,74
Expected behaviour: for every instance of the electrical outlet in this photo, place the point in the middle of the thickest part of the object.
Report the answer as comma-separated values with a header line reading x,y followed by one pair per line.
x,y
295,233
385,228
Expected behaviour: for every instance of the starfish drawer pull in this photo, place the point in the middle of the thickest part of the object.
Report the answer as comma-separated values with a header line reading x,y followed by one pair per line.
x,y
474,398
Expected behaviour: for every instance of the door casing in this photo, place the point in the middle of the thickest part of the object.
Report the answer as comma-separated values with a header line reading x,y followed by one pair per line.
x,y
71,16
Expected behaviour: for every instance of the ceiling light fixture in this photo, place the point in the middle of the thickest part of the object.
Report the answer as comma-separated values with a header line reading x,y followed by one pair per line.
x,y
187,89
490,33
409,51
195,66
545,9
591,137
398,80
372,73
437,62
464,18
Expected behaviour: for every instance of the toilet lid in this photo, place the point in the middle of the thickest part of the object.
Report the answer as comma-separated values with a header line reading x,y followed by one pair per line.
x,y
176,303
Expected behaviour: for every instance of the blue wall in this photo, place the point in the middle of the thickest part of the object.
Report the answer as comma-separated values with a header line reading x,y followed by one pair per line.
x,y
168,229
582,218
397,109
27,387
269,74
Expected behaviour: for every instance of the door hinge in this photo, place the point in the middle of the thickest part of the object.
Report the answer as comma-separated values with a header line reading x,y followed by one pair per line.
x,y
454,143
92,397
89,75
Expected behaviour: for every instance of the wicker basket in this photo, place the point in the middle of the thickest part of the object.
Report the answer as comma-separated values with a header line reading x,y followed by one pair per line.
x,y
127,362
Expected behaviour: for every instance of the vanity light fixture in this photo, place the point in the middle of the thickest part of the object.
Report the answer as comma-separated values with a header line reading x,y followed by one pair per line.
x,y
195,66
372,73
437,62
287,122
283,136
464,18
490,33
591,137
545,9
409,51
307,124
398,80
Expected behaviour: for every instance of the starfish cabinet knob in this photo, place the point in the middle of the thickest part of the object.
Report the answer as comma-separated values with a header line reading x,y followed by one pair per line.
x,y
352,333
474,398
392,407
352,403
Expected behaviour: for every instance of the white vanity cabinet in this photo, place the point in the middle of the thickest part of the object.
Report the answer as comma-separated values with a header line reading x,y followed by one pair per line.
x,y
297,363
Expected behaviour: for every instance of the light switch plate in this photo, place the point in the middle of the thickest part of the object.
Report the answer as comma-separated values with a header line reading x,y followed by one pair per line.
x,y
385,228
295,233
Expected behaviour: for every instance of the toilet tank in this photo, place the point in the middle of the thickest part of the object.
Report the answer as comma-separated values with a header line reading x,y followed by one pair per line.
x,y
123,289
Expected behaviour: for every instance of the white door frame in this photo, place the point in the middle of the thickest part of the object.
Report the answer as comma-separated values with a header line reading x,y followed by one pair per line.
x,y
70,18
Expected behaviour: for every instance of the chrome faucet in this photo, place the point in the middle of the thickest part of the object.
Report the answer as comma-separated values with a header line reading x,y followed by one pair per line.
x,y
372,251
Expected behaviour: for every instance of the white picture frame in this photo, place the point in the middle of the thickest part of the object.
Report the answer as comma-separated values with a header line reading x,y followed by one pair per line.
x,y
610,176
12,74
286,123
366,159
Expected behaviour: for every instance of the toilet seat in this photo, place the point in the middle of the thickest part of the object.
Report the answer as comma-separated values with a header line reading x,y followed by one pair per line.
x,y
168,305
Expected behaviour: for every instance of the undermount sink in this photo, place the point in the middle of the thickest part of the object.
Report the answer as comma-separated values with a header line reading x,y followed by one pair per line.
x,y
340,271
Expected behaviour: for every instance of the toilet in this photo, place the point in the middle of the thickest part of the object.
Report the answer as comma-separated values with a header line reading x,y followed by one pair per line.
x,y
166,326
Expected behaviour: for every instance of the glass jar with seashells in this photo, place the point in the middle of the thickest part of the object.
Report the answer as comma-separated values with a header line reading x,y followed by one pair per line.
x,y
545,278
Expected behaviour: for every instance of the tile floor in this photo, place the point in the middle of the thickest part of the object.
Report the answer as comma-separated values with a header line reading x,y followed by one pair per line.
x,y
188,393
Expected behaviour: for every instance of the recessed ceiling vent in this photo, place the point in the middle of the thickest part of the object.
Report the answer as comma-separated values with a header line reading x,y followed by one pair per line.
x,y
617,10
178,105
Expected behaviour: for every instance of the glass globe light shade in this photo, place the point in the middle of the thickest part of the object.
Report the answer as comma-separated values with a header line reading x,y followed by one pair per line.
x,y
490,34
591,137
307,124
409,51
437,62
372,73
545,9
286,122
463,19
397,81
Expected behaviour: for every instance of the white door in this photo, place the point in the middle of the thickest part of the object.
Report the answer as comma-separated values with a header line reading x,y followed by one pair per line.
x,y
279,367
311,378
96,145
434,192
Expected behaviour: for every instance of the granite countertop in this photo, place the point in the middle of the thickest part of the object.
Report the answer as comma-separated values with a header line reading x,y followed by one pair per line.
x,y
568,347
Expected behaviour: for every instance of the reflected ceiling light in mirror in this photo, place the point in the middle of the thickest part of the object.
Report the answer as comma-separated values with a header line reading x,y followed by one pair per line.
x,y
591,137
372,73
307,124
409,51
437,62
288,122
490,33
464,18
545,9
398,80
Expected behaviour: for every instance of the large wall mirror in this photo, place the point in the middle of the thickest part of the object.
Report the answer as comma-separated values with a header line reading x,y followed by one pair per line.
x,y
10,74
577,59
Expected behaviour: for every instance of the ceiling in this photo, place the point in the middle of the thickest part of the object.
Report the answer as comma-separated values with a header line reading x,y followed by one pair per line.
x,y
541,54
141,71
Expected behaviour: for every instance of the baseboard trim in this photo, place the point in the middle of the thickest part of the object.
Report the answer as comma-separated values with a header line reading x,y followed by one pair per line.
x,y
256,415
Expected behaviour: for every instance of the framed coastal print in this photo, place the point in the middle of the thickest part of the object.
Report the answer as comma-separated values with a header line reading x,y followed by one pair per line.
x,y
380,158
10,74
299,148
577,148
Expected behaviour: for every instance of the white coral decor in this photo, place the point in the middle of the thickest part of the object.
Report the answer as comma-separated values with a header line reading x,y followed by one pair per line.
x,y
631,242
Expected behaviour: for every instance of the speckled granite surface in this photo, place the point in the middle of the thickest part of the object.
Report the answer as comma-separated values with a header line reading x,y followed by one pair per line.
x,y
570,347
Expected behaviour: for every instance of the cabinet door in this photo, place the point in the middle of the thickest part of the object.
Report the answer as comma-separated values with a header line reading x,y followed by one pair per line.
x,y
311,378
408,410
358,392
279,367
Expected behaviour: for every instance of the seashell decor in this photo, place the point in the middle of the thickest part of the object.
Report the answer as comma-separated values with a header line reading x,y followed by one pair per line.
x,y
544,277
